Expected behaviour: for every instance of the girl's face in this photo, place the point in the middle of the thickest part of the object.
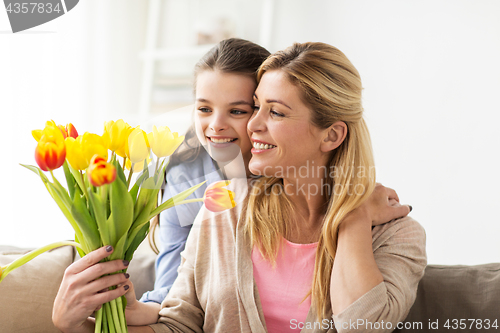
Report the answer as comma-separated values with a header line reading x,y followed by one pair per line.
x,y
284,140
224,104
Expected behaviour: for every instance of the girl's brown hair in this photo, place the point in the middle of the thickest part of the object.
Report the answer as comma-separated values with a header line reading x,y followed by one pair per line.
x,y
233,55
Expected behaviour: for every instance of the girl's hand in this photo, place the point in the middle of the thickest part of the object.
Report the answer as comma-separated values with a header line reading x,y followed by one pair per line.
x,y
132,302
383,206
139,313
84,289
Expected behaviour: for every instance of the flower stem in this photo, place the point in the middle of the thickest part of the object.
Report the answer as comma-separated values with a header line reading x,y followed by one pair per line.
x,y
33,254
156,167
98,321
130,175
84,187
109,318
119,305
124,162
105,328
116,319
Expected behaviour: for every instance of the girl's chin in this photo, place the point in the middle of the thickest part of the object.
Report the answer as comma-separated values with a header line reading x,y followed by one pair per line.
x,y
223,152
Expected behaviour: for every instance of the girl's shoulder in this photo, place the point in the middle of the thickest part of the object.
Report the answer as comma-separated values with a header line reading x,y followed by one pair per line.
x,y
193,169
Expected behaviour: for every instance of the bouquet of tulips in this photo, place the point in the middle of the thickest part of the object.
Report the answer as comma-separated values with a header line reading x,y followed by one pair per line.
x,y
99,201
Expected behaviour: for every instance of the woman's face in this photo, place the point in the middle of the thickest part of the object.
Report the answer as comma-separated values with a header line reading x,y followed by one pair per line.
x,y
281,121
224,104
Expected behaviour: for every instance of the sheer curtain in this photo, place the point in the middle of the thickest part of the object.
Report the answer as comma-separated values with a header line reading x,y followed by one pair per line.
x,y
82,68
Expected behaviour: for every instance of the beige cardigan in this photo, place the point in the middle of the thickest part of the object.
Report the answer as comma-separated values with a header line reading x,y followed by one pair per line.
x,y
216,292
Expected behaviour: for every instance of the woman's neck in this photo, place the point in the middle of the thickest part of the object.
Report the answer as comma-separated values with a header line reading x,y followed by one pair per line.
x,y
309,203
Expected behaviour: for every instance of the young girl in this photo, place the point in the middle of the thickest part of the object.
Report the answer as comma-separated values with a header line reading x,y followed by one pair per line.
x,y
216,148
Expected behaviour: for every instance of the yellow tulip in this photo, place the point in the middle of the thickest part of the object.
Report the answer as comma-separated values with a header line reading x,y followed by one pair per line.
x,y
163,142
69,130
37,134
80,151
50,128
217,198
138,167
115,135
138,146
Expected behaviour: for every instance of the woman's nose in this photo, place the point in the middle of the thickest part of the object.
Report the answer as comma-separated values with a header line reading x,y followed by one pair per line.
x,y
256,122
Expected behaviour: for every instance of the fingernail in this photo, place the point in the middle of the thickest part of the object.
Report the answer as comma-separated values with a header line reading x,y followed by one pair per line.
x,y
126,262
109,248
126,287
127,275
411,208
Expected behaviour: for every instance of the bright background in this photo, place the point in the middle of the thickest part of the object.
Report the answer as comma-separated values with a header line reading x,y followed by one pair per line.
x,y
431,75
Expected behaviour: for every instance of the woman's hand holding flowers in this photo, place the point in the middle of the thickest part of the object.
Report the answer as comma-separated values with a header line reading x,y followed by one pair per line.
x,y
83,290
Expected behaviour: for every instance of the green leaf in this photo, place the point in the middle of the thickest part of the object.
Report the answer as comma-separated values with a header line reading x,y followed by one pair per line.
x,y
119,172
36,170
133,243
81,252
121,216
144,197
63,193
174,200
86,223
119,248
138,182
77,176
100,217
70,180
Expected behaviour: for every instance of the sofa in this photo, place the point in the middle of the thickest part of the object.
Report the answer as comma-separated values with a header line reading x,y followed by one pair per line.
x,y
449,298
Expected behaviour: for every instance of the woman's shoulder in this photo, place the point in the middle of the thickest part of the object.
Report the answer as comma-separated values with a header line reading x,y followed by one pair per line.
x,y
399,231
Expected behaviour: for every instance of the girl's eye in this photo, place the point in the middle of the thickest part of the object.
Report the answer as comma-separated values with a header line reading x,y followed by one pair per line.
x,y
276,114
204,110
238,112
256,108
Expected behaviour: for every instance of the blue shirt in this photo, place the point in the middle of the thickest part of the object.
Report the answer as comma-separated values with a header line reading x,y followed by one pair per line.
x,y
176,222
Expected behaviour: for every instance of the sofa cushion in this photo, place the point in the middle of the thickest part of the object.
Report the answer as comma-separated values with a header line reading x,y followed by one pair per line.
x,y
27,293
457,292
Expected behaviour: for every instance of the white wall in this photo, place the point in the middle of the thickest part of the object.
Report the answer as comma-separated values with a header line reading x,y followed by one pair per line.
x,y
430,71
431,75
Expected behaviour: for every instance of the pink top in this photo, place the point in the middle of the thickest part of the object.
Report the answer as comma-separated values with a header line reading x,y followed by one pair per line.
x,y
282,289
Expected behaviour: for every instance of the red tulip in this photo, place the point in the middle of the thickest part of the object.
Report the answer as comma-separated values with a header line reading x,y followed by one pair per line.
x,y
218,199
71,131
50,155
100,172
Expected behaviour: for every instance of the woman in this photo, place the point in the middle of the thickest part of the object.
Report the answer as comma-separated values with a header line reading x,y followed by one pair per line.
x,y
331,236
225,80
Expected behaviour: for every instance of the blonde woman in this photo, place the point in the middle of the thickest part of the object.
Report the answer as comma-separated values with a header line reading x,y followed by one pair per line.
x,y
317,247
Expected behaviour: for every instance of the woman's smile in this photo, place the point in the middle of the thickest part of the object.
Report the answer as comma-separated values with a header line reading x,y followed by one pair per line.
x,y
261,146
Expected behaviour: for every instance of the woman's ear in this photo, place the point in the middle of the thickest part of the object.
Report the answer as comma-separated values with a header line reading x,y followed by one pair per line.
x,y
334,136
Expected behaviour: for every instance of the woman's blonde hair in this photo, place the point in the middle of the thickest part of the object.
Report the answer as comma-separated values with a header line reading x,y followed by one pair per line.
x,y
331,87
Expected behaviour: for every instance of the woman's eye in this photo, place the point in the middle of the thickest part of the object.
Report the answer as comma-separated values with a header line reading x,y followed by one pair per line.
x,y
204,110
256,108
277,114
